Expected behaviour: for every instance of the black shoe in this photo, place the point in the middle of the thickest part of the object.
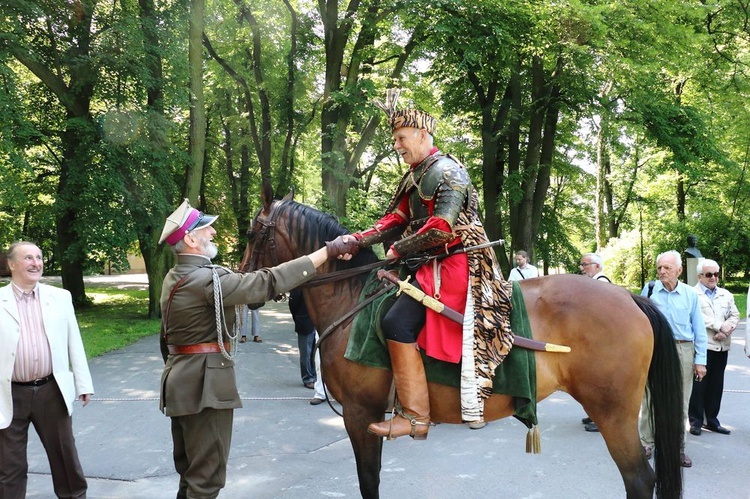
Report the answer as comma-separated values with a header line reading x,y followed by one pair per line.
x,y
310,385
586,420
316,401
695,430
591,427
717,429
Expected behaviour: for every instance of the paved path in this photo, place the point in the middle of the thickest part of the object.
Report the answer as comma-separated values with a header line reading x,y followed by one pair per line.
x,y
285,448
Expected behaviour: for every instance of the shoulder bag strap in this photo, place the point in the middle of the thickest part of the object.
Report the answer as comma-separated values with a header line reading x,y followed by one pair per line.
x,y
165,316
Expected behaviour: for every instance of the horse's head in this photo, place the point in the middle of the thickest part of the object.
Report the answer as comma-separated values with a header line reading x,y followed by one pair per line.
x,y
284,229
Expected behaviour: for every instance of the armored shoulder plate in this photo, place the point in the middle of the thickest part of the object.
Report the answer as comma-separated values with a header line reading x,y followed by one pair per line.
x,y
448,182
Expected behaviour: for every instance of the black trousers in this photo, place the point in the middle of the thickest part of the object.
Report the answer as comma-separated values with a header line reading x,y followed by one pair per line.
x,y
405,319
44,407
706,396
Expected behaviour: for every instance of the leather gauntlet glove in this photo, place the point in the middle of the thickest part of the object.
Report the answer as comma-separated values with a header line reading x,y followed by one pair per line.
x,y
338,247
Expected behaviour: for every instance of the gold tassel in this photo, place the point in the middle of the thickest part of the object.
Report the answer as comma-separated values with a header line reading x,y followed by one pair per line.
x,y
528,441
533,441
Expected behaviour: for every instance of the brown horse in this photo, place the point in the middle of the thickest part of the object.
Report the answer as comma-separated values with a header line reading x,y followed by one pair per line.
x,y
619,342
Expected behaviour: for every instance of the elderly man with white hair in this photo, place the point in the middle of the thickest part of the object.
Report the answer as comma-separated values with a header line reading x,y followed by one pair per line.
x,y
721,317
679,304
592,265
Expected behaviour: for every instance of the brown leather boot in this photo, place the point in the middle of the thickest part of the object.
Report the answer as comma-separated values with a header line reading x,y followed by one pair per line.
x,y
413,418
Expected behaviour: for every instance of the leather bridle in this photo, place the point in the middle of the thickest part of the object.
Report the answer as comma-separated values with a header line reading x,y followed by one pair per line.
x,y
265,240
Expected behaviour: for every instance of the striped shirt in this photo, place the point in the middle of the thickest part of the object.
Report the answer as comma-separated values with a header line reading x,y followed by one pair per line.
x,y
33,355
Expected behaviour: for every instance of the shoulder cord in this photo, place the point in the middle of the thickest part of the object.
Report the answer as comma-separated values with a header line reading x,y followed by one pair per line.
x,y
221,323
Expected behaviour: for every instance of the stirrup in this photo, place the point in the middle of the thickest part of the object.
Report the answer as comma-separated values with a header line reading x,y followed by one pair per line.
x,y
414,421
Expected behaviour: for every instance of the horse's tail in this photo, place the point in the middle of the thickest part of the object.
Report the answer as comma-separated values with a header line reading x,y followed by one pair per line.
x,y
665,385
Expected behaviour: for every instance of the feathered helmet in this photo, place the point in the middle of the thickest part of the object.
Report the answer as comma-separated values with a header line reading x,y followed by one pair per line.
x,y
413,118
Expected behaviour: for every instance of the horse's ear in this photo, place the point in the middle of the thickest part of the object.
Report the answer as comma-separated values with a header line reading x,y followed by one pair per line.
x,y
289,196
266,194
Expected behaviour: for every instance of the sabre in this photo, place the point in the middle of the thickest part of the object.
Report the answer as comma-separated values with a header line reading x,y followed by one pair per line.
x,y
415,261
442,309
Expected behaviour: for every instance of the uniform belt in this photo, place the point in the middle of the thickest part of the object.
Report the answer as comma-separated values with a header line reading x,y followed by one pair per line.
x,y
212,347
36,382
683,341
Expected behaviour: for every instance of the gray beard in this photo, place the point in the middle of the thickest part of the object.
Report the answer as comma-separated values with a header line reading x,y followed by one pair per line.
x,y
209,249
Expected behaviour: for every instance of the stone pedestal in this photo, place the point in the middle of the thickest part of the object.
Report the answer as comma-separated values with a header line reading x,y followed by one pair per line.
x,y
692,275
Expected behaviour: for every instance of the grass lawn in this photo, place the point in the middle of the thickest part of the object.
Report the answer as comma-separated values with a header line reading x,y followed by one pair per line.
x,y
116,319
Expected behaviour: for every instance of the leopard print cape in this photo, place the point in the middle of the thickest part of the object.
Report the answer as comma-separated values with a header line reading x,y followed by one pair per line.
x,y
486,332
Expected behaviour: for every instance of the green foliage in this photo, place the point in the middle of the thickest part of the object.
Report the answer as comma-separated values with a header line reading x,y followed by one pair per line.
x,y
670,77
116,319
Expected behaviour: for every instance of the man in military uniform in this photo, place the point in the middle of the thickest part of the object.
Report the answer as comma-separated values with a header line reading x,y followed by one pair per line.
x,y
198,388
435,210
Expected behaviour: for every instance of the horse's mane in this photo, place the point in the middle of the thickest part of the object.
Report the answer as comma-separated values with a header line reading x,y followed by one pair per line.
x,y
311,228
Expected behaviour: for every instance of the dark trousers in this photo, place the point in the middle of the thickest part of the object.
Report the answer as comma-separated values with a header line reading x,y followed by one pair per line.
x,y
201,451
405,319
706,396
306,344
44,407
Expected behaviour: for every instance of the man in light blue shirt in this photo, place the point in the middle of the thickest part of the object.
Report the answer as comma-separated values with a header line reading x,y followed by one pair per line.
x,y
679,304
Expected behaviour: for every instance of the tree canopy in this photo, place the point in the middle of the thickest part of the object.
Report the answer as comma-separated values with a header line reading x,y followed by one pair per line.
x,y
618,127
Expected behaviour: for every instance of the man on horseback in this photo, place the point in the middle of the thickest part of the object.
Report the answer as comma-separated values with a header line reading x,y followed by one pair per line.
x,y
434,210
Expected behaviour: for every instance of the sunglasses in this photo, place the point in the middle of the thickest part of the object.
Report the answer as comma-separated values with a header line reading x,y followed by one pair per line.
x,y
711,274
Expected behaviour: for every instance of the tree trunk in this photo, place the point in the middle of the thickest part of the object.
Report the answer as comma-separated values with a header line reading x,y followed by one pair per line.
x,y
148,215
602,167
197,144
524,236
681,196
69,250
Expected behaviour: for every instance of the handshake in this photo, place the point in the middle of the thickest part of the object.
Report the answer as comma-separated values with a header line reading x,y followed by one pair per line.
x,y
342,246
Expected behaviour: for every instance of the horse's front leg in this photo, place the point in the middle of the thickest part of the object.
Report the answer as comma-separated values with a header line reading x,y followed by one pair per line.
x,y
368,448
368,405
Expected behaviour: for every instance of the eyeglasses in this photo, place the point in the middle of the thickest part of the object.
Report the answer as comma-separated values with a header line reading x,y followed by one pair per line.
x,y
711,274
585,264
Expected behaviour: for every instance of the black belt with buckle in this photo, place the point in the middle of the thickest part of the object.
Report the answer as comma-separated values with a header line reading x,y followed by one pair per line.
x,y
36,382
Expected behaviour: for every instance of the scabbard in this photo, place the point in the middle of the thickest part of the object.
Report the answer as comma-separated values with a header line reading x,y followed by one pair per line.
x,y
458,317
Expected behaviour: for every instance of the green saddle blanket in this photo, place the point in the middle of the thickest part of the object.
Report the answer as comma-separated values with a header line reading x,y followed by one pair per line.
x,y
515,377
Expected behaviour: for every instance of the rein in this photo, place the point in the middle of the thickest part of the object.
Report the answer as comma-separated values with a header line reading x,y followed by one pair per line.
x,y
346,317
343,274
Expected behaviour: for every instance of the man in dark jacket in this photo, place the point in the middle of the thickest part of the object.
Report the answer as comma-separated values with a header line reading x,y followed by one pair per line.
x,y
305,330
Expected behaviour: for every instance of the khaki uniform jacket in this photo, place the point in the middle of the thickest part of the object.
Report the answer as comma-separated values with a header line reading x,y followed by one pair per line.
x,y
715,313
191,383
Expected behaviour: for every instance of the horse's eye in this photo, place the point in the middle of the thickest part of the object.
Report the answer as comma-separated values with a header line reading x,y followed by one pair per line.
x,y
250,236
